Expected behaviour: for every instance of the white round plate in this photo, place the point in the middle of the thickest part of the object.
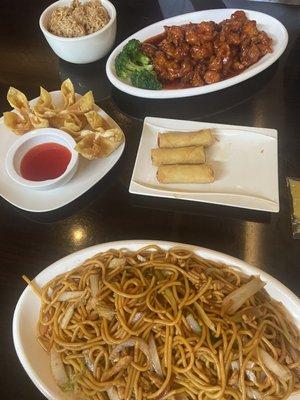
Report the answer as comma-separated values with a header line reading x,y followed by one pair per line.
x,y
86,176
35,360
270,25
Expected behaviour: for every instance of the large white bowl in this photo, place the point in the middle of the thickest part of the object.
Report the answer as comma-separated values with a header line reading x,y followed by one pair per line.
x,y
270,25
83,49
37,363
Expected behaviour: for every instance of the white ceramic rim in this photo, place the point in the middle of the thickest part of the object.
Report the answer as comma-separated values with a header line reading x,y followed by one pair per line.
x,y
44,132
88,252
107,4
188,92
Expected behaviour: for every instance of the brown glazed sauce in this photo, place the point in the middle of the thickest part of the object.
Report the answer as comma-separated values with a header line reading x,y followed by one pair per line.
x,y
154,41
175,85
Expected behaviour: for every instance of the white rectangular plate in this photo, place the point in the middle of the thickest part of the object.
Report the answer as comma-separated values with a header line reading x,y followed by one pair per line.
x,y
86,176
244,160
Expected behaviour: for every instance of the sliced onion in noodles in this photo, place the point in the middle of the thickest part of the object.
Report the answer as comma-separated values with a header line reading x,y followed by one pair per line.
x,y
105,311
137,317
250,375
70,295
67,317
274,366
234,300
94,281
253,393
117,262
112,394
87,360
249,372
235,365
194,325
154,358
58,370
142,345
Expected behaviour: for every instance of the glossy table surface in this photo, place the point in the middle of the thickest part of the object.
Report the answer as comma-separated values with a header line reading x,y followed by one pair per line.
x,y
29,242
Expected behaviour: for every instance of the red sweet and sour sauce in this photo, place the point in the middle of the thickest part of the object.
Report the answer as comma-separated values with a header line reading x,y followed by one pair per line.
x,y
45,161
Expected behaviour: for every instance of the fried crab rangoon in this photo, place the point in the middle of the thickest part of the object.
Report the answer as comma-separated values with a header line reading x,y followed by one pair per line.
x,y
44,107
76,116
99,144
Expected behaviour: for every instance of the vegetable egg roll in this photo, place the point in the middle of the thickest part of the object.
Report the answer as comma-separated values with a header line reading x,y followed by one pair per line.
x,y
179,155
204,137
199,173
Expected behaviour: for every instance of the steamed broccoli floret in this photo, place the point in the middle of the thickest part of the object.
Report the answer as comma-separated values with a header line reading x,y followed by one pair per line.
x,y
125,65
132,64
142,59
120,64
132,49
145,79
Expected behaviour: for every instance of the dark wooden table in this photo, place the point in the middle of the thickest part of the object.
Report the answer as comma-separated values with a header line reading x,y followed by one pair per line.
x,y
29,242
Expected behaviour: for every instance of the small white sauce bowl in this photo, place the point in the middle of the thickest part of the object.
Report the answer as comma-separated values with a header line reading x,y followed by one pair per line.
x,y
82,49
31,139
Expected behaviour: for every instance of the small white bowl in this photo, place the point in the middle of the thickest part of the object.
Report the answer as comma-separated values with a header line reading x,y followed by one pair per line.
x,y
82,49
31,139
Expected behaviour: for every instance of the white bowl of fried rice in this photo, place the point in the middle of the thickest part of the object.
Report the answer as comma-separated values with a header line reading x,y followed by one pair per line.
x,y
80,31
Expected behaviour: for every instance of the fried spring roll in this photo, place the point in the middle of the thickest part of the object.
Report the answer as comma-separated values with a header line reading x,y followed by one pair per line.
x,y
201,173
204,137
179,155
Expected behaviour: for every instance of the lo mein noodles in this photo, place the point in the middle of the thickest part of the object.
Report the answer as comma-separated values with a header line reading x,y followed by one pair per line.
x,y
156,324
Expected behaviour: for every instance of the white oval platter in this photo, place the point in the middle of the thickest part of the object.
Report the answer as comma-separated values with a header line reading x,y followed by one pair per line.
x,y
270,25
